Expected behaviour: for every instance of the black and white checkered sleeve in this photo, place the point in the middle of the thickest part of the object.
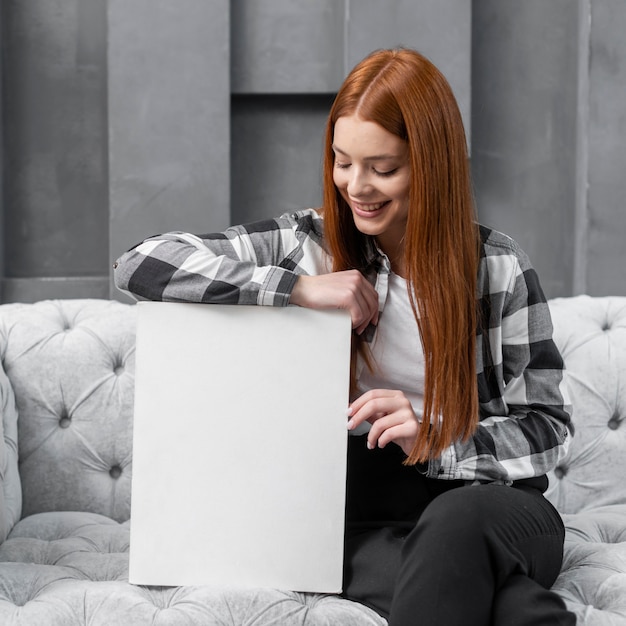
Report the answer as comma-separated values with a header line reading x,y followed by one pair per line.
x,y
249,264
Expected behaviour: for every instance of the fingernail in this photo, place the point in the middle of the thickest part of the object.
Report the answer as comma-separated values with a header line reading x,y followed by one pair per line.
x,y
369,445
350,424
349,411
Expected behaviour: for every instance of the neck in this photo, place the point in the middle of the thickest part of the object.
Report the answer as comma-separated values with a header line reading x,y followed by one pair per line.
x,y
398,269
395,254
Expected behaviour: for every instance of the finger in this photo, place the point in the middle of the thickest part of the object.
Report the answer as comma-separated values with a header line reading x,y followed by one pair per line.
x,y
366,293
373,394
372,406
403,435
377,435
365,301
360,313
371,296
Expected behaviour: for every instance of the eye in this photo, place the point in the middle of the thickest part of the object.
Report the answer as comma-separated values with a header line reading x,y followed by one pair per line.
x,y
387,173
342,166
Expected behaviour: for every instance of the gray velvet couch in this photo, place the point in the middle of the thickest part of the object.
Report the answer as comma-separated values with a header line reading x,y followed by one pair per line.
x,y
66,396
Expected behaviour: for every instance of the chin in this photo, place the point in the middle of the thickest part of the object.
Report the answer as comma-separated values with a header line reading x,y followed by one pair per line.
x,y
367,229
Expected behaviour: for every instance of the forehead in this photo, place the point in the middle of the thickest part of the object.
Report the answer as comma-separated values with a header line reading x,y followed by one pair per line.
x,y
357,137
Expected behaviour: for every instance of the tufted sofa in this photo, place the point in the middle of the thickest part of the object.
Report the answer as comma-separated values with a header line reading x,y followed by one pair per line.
x,y
66,397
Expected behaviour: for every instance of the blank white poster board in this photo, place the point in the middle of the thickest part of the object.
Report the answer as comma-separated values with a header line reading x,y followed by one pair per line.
x,y
239,446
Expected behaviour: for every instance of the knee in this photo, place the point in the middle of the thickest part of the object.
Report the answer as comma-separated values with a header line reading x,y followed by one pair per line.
x,y
462,514
453,536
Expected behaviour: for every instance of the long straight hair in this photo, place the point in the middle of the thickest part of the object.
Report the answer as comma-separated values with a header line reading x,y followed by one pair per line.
x,y
403,92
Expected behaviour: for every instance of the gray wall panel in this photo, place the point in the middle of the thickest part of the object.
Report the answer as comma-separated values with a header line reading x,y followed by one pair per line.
x,y
287,46
439,29
55,139
277,154
2,208
36,289
524,128
607,149
168,118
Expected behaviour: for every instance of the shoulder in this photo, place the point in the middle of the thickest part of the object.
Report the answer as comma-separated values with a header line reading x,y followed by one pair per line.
x,y
289,229
503,263
304,218
306,224
496,243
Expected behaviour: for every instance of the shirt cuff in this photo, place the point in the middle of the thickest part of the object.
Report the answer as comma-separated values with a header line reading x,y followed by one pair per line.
x,y
445,466
277,287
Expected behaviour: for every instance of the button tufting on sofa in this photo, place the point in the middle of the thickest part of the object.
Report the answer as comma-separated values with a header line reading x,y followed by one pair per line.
x,y
615,422
115,472
560,472
119,369
64,322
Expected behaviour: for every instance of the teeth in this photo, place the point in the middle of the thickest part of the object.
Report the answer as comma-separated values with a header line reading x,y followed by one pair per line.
x,y
370,207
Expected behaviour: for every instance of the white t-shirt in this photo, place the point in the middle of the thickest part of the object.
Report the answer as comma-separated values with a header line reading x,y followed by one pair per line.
x,y
397,351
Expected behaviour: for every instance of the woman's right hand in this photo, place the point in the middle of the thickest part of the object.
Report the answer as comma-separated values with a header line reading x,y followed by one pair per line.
x,y
348,290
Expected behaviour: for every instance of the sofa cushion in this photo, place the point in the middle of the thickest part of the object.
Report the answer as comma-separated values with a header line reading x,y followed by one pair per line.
x,y
593,577
91,546
71,365
591,334
56,598
72,568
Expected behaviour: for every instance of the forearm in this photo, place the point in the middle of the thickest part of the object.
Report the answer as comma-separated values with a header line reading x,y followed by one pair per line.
x,y
178,272
525,444
249,264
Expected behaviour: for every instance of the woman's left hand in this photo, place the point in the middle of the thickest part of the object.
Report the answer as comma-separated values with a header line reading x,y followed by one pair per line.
x,y
391,415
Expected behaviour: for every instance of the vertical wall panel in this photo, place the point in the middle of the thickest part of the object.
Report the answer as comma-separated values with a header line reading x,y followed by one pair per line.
x,y
579,210
525,125
55,196
169,119
607,150
2,248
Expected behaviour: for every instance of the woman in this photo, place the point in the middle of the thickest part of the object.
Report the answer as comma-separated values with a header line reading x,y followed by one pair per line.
x,y
458,406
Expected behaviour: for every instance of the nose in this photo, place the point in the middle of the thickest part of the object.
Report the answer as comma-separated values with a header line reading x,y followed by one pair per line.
x,y
358,183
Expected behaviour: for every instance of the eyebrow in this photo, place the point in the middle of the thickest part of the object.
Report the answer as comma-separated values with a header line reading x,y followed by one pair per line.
x,y
376,157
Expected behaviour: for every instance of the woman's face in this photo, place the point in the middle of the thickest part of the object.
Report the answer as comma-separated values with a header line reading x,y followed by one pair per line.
x,y
372,173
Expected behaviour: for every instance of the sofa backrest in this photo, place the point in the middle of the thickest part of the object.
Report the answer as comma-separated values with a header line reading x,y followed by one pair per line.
x,y
591,334
71,366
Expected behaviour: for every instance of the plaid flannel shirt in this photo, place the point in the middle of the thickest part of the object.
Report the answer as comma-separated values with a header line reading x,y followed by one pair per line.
x,y
524,413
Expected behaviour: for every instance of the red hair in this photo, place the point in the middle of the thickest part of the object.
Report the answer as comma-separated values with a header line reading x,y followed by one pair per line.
x,y
403,92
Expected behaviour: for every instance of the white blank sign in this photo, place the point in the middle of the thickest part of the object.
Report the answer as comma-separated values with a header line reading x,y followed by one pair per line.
x,y
239,446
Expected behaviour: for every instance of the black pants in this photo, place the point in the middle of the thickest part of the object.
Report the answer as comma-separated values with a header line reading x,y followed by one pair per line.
x,y
424,552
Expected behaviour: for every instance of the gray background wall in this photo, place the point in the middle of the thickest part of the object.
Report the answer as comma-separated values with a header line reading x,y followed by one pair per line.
x,y
549,128
125,118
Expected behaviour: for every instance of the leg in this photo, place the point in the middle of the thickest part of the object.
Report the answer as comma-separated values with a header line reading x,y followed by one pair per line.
x,y
383,501
541,607
482,555
371,562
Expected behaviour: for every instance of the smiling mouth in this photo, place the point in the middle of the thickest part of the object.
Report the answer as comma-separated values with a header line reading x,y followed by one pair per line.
x,y
369,208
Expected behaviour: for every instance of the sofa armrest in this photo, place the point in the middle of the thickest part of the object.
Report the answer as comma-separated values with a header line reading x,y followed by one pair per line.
x,y
10,487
